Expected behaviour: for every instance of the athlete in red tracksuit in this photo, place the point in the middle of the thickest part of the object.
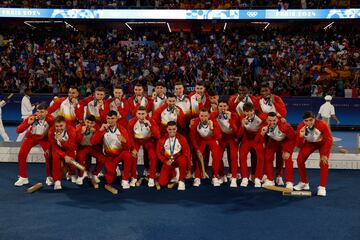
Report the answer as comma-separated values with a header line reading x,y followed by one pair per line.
x,y
62,138
144,131
237,101
84,132
158,96
250,140
173,151
70,107
184,103
205,132
39,124
199,100
280,138
119,104
169,112
269,102
228,124
313,134
139,99
116,145
97,106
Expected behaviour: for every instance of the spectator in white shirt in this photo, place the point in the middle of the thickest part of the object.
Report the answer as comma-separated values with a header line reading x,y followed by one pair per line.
x,y
26,110
327,111
2,129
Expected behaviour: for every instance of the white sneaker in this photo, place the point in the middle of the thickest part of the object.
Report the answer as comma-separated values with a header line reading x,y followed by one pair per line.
x,y
80,180
279,181
216,182
133,182
49,181
289,185
21,181
151,182
264,178
146,173
224,179
73,178
244,182
268,183
257,183
181,186
321,191
118,172
229,175
197,182
125,184
302,186
57,185
174,179
233,182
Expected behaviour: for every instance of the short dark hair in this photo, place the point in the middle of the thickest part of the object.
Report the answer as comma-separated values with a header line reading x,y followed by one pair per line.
x,y
171,123
160,84
204,110
112,113
91,118
141,108
223,101
119,87
27,90
100,89
59,119
74,87
308,114
179,83
265,85
42,106
272,114
200,83
248,106
243,85
170,95
138,84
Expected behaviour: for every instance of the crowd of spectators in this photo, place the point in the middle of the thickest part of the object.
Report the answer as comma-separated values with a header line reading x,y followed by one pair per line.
x,y
180,4
51,62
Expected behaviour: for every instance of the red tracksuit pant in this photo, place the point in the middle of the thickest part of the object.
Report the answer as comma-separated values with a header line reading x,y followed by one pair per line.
x,y
111,164
149,149
245,147
215,154
233,160
304,154
166,171
273,147
91,151
25,148
56,165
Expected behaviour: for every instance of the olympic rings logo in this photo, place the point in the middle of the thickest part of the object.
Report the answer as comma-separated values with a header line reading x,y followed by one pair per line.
x,y
251,14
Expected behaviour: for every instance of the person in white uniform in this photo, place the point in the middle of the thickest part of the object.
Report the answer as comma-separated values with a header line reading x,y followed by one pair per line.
x,y
26,110
327,111
2,129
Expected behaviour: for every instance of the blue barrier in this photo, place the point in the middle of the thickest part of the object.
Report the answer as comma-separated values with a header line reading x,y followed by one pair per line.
x,y
347,109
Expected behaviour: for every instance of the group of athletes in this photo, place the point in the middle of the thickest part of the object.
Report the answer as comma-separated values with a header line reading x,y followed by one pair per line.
x,y
178,133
